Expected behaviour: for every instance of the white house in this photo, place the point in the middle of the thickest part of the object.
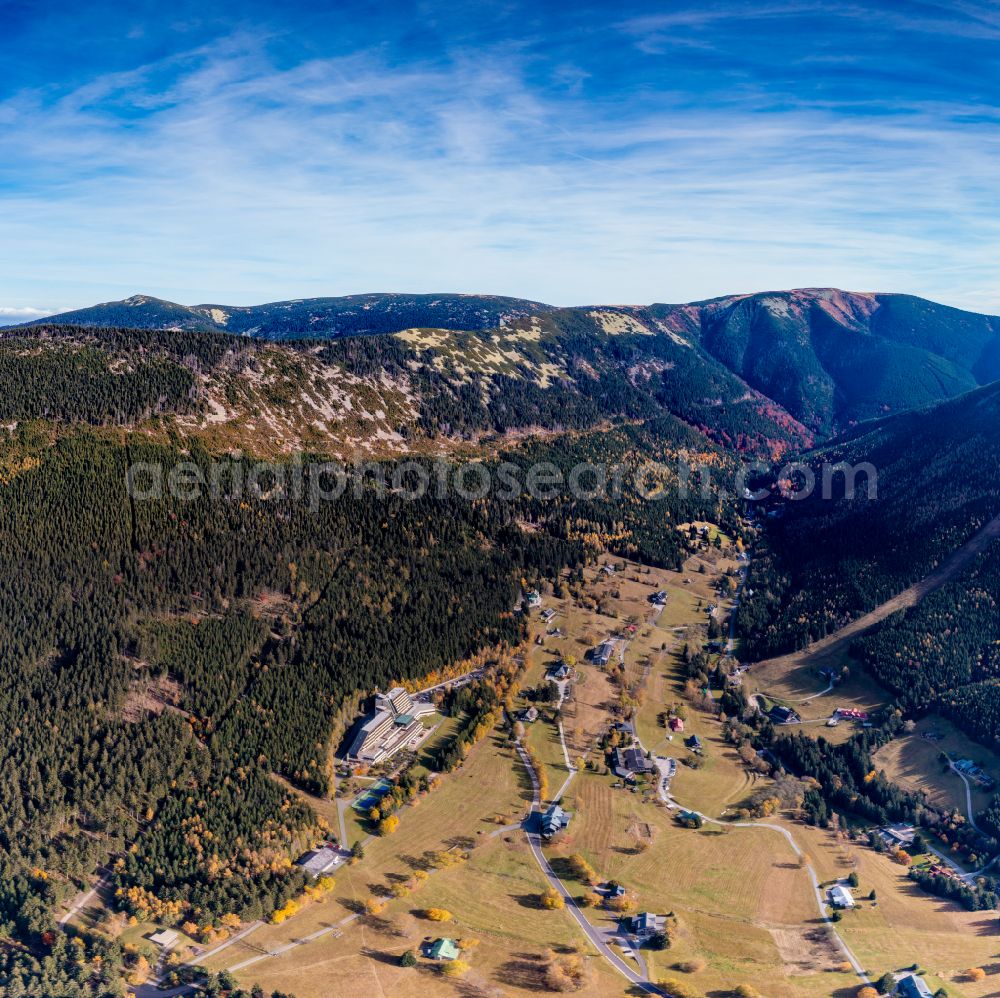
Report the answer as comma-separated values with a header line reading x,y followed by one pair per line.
x,y
841,897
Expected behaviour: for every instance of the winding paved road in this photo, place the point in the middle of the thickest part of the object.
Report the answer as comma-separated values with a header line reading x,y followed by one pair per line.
x,y
598,938
817,890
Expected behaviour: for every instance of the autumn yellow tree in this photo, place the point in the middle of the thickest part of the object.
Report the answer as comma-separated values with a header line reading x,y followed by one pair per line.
x,y
139,971
623,904
388,825
552,899
677,989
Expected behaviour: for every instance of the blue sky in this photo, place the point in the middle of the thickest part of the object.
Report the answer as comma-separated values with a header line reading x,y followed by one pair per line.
x,y
572,153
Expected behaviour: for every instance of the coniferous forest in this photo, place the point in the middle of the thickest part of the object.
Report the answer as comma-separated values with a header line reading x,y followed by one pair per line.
x,y
164,658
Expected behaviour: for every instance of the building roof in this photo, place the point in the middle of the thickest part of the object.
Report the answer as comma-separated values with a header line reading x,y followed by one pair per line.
x,y
903,834
782,714
396,701
404,719
631,760
603,652
554,820
648,922
841,897
912,986
164,938
444,949
319,861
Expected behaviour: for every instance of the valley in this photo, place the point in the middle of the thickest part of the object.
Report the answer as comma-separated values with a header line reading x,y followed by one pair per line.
x,y
620,621
742,898
722,710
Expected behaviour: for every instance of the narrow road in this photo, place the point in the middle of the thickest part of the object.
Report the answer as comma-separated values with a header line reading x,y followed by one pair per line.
x,y
569,765
817,890
242,934
744,574
815,696
969,810
461,680
594,935
82,900
342,806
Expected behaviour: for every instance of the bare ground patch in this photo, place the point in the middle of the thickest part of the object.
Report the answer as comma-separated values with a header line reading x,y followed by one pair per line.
x,y
805,949
151,696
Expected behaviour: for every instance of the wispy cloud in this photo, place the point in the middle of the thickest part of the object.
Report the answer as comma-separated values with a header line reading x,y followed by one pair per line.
x,y
11,314
225,172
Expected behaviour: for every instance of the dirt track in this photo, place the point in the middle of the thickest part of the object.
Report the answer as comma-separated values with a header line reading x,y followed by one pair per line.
x,y
833,644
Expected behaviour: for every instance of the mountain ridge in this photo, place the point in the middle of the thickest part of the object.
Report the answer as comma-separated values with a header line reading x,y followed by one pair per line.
x,y
829,359
370,313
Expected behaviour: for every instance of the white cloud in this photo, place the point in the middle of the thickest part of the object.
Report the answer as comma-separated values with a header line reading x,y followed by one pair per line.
x,y
11,314
238,181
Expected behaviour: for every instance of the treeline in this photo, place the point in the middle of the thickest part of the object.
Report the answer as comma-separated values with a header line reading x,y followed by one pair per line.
x,y
209,656
847,779
943,656
479,704
645,480
269,618
843,780
221,845
980,896
72,967
945,643
101,596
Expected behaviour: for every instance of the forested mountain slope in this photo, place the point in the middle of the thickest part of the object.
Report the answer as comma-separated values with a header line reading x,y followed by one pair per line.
x,y
381,395
833,357
163,657
938,482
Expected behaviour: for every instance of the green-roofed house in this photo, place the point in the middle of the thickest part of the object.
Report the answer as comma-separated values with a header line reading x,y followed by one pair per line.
x,y
444,950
